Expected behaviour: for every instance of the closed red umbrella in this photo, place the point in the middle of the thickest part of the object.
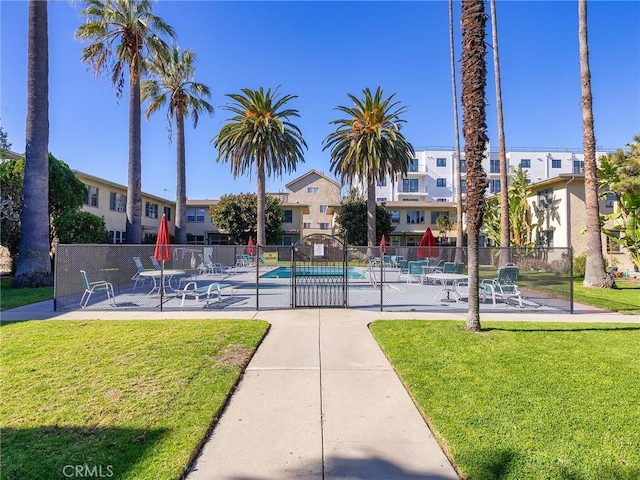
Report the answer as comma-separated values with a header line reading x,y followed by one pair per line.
x,y
251,250
162,251
383,245
428,245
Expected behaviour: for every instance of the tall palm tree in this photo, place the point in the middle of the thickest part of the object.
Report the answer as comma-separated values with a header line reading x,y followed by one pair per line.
x,y
173,84
505,227
122,33
260,132
456,124
368,145
595,275
34,264
474,80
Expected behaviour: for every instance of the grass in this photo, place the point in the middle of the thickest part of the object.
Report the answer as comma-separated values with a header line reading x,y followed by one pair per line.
x,y
525,401
17,297
625,299
134,398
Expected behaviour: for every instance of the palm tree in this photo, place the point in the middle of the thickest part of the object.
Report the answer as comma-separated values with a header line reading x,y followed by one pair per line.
x,y
456,123
595,275
474,80
123,32
174,83
34,264
505,228
260,132
368,145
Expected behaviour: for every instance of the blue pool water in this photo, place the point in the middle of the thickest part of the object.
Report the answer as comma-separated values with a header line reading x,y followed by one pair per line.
x,y
285,272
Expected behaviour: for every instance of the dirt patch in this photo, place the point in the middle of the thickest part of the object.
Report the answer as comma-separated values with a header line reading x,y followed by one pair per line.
x,y
235,355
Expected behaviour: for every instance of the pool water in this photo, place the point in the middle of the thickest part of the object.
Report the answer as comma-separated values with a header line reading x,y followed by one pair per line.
x,y
285,272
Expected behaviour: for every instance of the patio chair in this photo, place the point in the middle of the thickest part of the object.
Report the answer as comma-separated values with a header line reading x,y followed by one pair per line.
x,y
91,287
503,286
449,267
139,269
415,271
155,263
208,291
206,265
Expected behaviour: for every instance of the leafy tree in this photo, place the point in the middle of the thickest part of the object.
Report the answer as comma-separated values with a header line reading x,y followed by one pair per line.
x,y
174,86
352,217
368,145
260,133
75,226
443,222
34,263
237,216
4,141
474,80
123,33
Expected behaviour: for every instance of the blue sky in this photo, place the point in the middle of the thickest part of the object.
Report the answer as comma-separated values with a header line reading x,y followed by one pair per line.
x,y
321,51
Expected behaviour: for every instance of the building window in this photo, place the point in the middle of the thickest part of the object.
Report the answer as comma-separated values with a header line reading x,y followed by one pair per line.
x,y
323,208
324,226
195,215
151,210
441,182
525,163
287,216
195,239
92,196
441,199
313,189
306,224
463,186
287,240
167,212
413,165
578,166
611,200
556,163
117,202
381,199
415,216
441,162
463,166
435,215
395,216
382,183
494,186
494,166
409,185
409,199
116,236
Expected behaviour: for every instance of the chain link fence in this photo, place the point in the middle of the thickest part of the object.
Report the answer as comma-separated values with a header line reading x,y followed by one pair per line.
x,y
240,277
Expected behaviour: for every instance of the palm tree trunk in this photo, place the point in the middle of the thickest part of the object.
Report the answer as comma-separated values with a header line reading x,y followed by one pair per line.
x,y
261,181
505,228
474,73
134,178
34,263
181,181
456,123
595,275
371,217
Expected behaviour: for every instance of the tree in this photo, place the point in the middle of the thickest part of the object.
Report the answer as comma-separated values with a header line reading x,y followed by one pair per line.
x,y
237,216
123,32
505,227
368,145
174,85
456,123
474,73
444,225
34,263
260,132
4,142
352,217
595,275
75,226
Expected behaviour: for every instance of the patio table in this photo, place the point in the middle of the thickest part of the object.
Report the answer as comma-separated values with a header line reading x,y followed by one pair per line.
x,y
155,276
450,283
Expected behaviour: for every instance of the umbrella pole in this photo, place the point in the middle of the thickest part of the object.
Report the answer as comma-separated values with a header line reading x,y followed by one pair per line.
x,y
161,284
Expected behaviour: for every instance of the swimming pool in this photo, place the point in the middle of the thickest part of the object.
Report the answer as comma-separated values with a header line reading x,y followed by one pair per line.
x,y
320,271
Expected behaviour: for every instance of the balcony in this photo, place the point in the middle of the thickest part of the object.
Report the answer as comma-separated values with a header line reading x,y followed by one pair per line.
x,y
412,190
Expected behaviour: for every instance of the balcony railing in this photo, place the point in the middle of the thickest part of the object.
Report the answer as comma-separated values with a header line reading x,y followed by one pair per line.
x,y
419,190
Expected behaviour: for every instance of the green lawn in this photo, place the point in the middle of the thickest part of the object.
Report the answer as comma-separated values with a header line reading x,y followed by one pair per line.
x,y
624,299
17,297
523,400
132,397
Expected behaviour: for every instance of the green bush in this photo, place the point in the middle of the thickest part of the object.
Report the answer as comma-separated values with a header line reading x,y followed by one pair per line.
x,y
579,265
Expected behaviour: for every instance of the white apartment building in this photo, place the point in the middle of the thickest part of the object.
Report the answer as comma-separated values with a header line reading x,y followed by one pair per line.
x,y
432,172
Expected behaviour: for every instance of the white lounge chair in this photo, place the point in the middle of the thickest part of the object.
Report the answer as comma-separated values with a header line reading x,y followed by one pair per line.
x,y
91,287
191,289
503,286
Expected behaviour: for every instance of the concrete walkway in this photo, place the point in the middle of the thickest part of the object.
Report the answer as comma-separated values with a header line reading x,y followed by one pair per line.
x,y
319,400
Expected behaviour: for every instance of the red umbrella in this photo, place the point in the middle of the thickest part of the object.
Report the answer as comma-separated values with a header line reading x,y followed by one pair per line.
x,y
251,250
162,251
428,245
383,245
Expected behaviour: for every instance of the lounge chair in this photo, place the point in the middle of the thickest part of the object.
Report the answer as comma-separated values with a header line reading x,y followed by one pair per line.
x,y
91,287
136,276
155,263
208,291
503,286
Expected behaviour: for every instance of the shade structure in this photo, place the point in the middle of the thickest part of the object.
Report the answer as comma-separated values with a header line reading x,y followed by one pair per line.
x,y
383,245
428,245
251,249
163,250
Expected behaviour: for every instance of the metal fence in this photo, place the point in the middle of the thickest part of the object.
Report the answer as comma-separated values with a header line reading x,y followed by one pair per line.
x,y
237,277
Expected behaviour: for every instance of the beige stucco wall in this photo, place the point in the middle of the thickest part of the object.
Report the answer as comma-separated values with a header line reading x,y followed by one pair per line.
x,y
328,194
